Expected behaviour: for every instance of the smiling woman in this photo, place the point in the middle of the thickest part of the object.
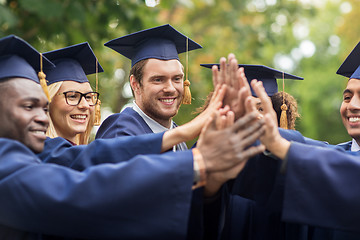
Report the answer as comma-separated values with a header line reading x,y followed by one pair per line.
x,y
72,122
72,99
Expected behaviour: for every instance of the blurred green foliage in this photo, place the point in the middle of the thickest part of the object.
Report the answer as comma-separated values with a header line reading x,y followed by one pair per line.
x,y
259,32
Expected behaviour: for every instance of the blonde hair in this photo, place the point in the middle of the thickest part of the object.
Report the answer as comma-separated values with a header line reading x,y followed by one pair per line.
x,y
81,138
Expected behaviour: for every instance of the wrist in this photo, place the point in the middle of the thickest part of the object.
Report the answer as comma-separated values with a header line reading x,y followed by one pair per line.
x,y
212,185
199,169
171,138
279,147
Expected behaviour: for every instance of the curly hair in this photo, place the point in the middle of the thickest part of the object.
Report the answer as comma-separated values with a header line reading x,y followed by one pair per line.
x,y
291,103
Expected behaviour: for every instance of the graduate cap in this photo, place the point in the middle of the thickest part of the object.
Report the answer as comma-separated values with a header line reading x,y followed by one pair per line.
x,y
73,63
19,59
351,66
162,42
262,73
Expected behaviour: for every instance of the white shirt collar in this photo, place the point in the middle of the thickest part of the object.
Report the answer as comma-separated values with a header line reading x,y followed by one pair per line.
x,y
154,126
354,146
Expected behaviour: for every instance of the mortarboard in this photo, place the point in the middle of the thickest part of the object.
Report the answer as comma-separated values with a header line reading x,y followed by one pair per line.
x,y
73,63
162,42
262,73
20,59
351,66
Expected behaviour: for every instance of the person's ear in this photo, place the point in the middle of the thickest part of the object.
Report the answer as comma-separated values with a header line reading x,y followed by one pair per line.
x,y
135,85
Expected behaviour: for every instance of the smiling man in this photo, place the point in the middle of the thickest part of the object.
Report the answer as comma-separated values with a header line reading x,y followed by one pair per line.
x,y
25,119
156,79
23,109
350,107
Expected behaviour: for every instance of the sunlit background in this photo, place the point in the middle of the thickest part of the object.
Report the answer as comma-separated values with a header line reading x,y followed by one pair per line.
x,y
308,38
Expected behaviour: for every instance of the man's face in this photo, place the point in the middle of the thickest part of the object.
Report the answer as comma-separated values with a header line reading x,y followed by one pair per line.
x,y
24,113
162,90
350,108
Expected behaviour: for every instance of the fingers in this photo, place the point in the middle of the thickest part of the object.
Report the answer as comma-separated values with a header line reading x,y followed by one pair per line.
x,y
253,151
260,92
250,105
216,91
237,77
224,110
215,75
223,70
233,67
242,144
205,128
270,123
231,56
249,135
224,119
245,120
214,98
215,101
220,122
230,119
243,80
243,95
218,96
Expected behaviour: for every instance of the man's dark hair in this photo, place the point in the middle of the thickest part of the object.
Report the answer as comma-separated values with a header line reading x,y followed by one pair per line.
x,y
138,70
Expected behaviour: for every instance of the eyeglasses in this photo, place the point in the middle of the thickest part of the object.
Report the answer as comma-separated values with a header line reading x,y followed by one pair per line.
x,y
73,98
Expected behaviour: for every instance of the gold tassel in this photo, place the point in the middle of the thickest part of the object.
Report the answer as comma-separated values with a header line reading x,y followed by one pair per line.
x,y
283,117
187,93
97,113
42,78
97,106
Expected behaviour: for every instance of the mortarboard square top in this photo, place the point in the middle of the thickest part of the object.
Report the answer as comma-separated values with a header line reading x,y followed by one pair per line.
x,y
351,66
162,42
20,59
262,73
73,63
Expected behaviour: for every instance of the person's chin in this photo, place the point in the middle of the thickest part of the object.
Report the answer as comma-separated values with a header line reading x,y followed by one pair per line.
x,y
37,147
77,131
79,127
354,132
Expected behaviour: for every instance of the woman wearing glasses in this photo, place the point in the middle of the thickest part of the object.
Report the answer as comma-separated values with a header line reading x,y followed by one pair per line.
x,y
72,98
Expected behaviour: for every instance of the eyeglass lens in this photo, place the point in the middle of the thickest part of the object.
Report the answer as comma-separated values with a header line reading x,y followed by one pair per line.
x,y
74,98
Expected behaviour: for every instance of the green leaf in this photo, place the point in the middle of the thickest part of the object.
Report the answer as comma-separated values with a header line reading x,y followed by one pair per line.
x,y
7,18
47,9
76,11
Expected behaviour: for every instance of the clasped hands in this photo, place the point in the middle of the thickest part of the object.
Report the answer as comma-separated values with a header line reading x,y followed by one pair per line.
x,y
236,125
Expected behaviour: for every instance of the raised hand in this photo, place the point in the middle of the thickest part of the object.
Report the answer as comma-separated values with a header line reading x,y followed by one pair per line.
x,y
194,126
216,179
235,80
225,148
272,138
